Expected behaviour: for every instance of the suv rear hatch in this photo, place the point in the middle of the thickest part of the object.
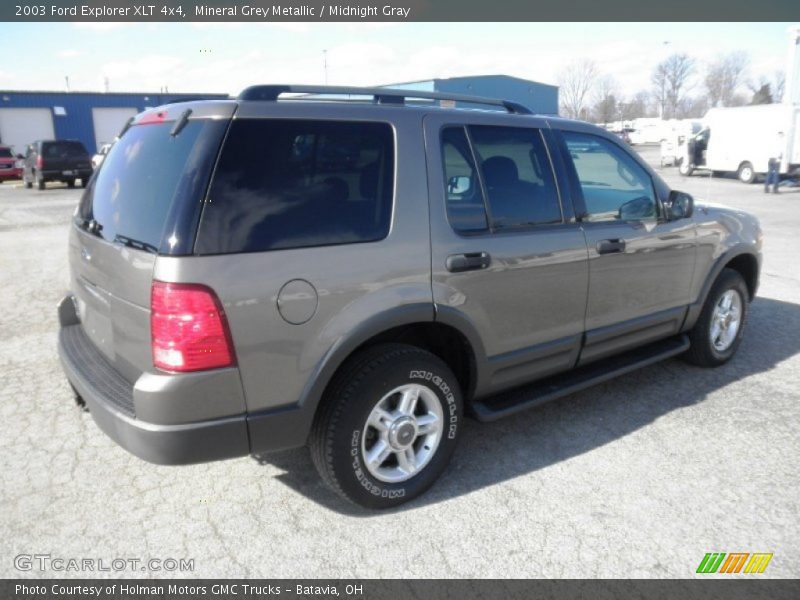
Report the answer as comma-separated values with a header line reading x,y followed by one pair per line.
x,y
144,201
65,155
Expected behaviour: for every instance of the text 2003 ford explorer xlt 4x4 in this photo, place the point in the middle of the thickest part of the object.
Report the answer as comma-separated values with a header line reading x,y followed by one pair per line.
x,y
261,273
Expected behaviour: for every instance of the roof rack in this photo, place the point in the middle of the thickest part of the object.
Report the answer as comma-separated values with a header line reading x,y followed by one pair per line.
x,y
379,95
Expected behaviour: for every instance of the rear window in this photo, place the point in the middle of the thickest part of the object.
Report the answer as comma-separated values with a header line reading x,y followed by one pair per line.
x,y
63,149
149,188
5,153
299,183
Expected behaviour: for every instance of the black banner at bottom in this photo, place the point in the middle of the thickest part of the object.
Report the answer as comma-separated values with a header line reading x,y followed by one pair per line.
x,y
393,589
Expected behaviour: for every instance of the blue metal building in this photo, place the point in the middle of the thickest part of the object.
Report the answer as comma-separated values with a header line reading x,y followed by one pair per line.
x,y
91,117
541,98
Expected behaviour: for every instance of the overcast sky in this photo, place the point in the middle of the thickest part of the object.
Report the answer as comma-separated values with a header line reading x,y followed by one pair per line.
x,y
194,57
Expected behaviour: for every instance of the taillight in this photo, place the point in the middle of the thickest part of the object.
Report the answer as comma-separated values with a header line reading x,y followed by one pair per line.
x,y
189,331
39,162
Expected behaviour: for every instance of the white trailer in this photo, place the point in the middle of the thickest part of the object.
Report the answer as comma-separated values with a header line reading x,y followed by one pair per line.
x,y
741,140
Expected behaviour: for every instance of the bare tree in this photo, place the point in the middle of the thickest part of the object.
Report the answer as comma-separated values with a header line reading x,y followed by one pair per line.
x,y
671,80
766,90
635,107
575,83
605,100
724,76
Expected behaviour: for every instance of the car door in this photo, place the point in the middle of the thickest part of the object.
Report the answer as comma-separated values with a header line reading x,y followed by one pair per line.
x,y
507,259
640,263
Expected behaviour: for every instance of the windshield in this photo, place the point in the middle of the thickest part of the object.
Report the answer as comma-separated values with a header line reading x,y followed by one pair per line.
x,y
6,153
130,198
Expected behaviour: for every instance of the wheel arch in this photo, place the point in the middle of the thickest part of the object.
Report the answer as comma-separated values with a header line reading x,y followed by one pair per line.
x,y
742,258
415,324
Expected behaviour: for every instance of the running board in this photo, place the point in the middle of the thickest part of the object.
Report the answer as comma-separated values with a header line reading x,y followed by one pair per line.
x,y
569,382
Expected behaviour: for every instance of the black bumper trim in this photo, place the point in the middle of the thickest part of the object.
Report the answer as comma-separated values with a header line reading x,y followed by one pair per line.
x,y
162,444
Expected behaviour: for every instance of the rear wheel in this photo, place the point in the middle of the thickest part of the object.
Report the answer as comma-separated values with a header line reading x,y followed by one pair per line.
x,y
84,182
746,173
388,425
718,332
39,181
71,183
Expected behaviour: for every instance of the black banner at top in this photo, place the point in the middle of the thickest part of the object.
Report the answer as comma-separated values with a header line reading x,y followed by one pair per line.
x,y
259,11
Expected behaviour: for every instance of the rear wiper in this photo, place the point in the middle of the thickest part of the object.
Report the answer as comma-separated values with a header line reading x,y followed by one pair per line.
x,y
132,243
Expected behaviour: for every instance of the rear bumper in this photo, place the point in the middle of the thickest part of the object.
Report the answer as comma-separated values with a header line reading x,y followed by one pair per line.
x,y
109,398
58,175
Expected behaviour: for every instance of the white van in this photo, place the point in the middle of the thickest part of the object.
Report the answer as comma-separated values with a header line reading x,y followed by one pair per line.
x,y
741,140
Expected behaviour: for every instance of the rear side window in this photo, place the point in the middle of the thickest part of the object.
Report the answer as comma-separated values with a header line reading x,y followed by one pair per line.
x,y
63,149
515,180
143,178
299,183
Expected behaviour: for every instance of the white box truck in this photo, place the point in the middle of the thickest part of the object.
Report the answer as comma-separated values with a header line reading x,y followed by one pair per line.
x,y
741,140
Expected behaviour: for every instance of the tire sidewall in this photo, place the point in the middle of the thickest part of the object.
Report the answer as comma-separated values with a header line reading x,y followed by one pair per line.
x,y
348,463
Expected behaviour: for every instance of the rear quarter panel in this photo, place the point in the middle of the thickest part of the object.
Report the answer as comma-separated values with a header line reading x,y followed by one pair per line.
x,y
354,283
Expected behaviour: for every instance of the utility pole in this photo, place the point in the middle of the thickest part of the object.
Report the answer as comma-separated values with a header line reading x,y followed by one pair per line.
x,y
325,64
66,78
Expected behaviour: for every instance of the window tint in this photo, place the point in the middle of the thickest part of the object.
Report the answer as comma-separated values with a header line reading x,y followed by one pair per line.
x,y
6,153
517,176
63,149
466,209
299,183
614,186
132,193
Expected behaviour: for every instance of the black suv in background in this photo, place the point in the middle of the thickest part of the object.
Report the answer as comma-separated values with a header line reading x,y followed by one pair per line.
x,y
56,160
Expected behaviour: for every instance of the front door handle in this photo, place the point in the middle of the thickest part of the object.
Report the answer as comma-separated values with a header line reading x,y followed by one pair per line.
x,y
610,246
471,261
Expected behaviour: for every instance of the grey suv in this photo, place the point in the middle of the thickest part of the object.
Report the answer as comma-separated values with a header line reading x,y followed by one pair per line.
x,y
355,269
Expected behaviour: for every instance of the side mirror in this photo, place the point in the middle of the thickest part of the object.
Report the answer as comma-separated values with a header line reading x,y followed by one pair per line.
x,y
680,205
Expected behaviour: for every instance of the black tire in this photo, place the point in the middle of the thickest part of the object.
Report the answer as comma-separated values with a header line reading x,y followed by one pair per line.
x,y
71,183
702,352
39,182
84,182
341,422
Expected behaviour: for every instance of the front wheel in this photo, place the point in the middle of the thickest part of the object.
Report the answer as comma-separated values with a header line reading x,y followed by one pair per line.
x,y
388,425
718,332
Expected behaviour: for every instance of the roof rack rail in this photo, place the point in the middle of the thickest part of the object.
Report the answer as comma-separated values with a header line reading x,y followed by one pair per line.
x,y
379,95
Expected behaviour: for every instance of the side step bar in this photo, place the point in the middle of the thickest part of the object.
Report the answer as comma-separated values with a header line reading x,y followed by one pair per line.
x,y
569,382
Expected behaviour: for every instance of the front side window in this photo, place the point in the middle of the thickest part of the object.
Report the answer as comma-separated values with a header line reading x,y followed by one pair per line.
x,y
614,186
299,183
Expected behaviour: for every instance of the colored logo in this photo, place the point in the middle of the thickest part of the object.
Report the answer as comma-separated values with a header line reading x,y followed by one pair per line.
x,y
735,562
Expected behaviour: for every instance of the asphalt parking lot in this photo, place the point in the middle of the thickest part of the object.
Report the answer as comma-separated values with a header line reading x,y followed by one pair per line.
x,y
639,477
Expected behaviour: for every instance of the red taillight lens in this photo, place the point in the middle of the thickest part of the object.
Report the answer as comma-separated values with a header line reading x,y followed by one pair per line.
x,y
188,328
39,162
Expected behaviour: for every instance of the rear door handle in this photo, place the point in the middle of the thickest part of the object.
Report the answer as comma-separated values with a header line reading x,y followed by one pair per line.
x,y
471,261
610,246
